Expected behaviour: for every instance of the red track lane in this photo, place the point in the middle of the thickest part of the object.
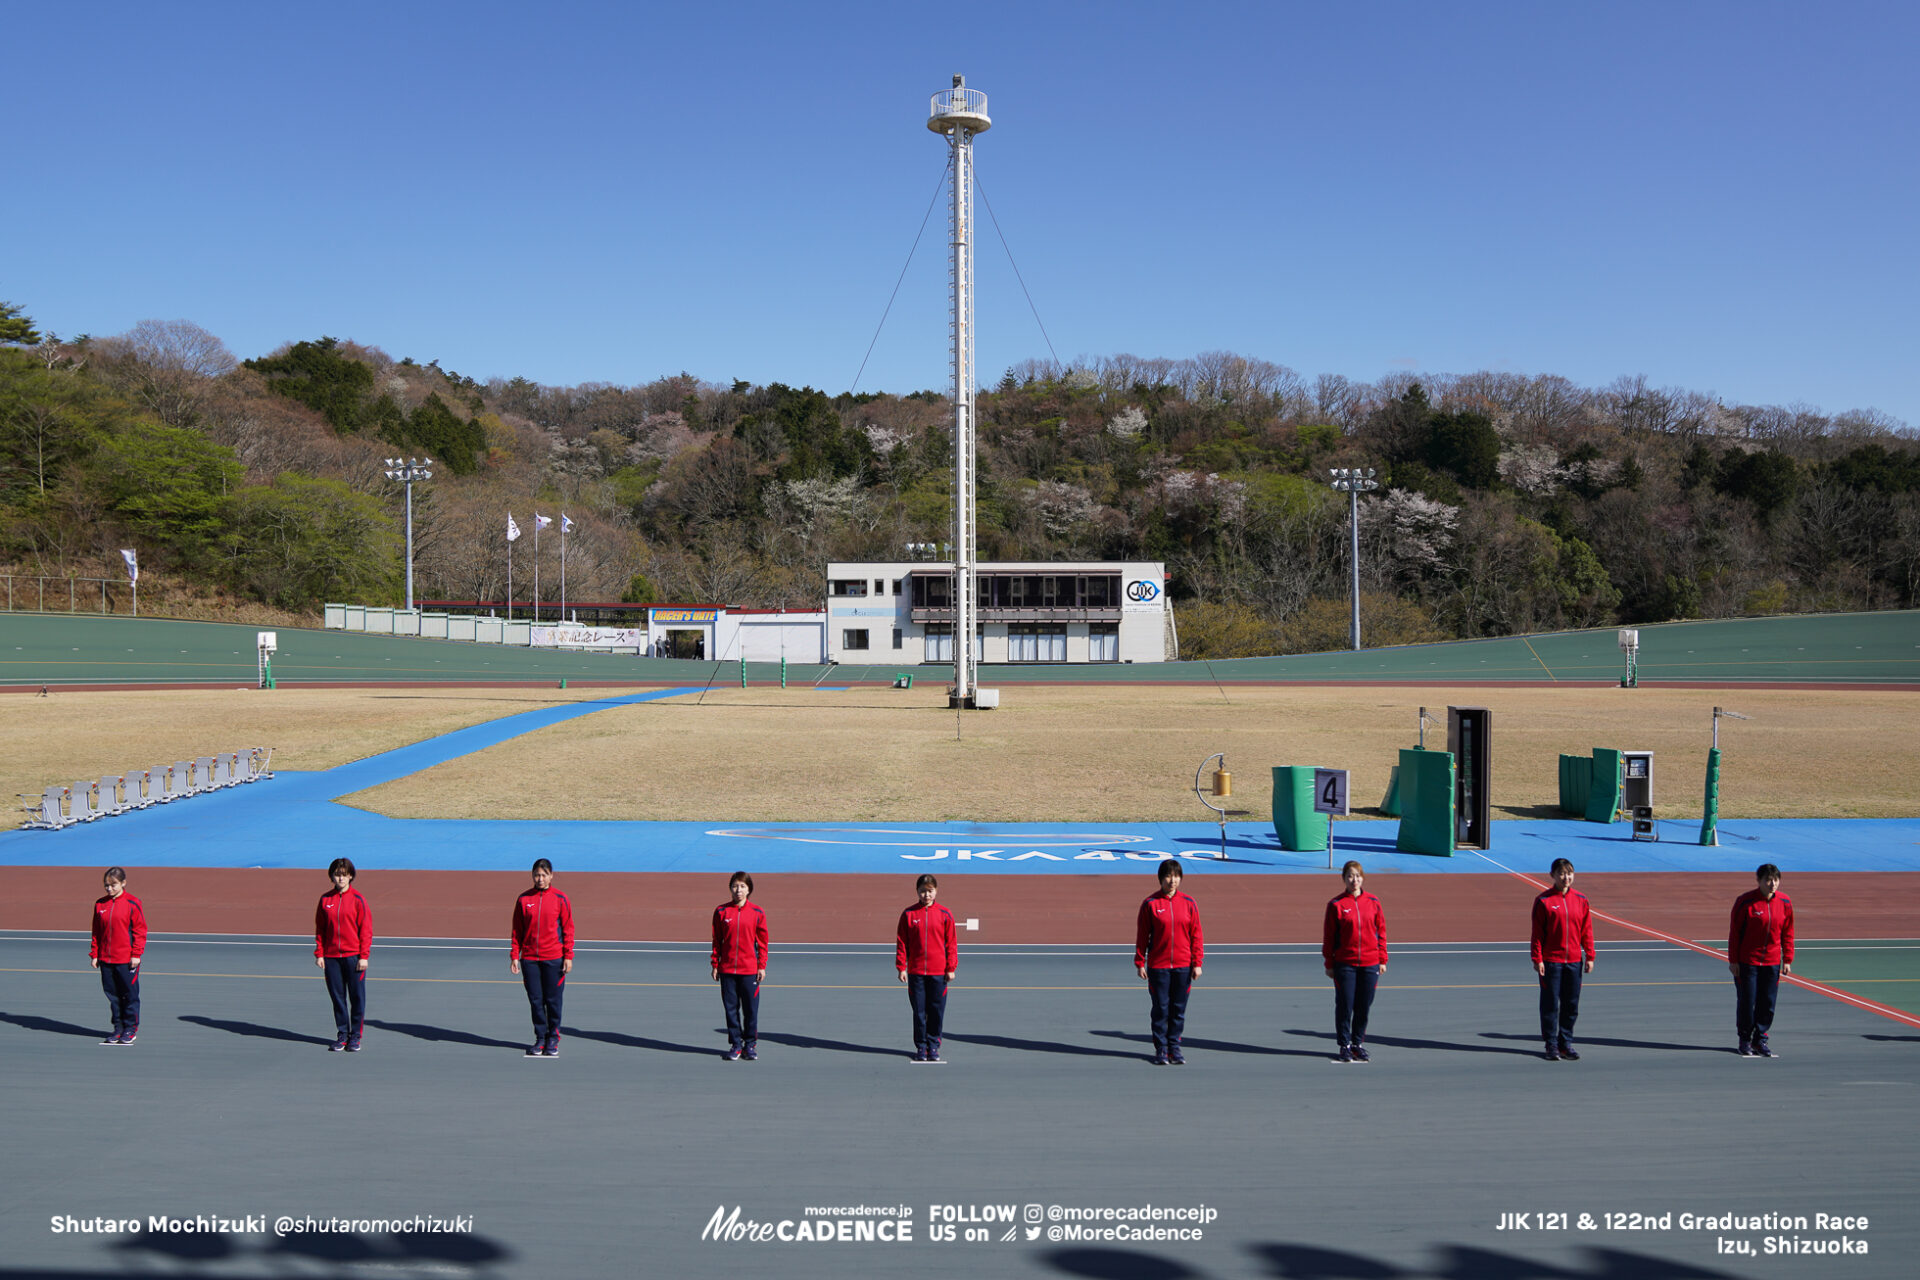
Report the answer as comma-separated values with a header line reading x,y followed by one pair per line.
x,y
1675,906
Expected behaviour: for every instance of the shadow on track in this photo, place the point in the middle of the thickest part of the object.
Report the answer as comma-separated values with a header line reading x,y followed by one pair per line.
x,y
1402,1042
34,1023
836,1046
1604,1042
1211,1046
441,1035
626,1041
1044,1046
256,1031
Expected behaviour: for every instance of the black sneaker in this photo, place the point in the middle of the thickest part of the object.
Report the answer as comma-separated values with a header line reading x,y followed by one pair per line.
x,y
1160,1060
112,1039
128,1037
553,1046
353,1045
339,1045
731,1055
751,1053
1746,1050
1176,1058
1566,1051
1761,1049
538,1049
1552,1054
1345,1054
1360,1054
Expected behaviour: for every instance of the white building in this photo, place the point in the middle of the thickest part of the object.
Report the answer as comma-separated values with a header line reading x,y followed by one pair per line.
x,y
1029,611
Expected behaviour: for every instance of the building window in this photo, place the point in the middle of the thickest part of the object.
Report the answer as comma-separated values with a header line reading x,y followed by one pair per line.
x,y
852,639
1036,642
939,642
897,639
932,593
879,586
1103,642
848,587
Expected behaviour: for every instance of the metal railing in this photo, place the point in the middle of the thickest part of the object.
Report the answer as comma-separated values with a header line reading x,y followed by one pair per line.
x,y
959,102
29,593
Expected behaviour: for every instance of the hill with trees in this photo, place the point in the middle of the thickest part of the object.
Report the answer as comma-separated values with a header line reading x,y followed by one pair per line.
x,y
1510,503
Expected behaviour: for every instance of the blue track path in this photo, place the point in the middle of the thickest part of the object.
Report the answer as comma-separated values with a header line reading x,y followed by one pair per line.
x,y
295,820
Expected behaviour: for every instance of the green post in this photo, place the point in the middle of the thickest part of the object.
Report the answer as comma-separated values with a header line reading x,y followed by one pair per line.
x,y
1710,815
743,671
783,671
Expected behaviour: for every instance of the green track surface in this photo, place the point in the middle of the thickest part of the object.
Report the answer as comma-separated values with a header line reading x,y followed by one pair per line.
x,y
1839,649
1884,970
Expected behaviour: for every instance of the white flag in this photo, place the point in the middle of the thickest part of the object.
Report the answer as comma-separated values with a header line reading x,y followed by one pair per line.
x,y
133,564
540,522
566,525
513,530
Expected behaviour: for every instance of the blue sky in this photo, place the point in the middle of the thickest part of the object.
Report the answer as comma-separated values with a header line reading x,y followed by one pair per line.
x,y
1717,196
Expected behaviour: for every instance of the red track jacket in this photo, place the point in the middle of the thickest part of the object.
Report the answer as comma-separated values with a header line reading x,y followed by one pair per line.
x,y
542,926
1166,934
1562,928
739,938
1355,931
119,930
924,942
343,925
1761,931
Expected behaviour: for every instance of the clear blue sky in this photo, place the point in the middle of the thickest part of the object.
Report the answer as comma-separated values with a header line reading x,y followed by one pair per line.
x,y
1718,196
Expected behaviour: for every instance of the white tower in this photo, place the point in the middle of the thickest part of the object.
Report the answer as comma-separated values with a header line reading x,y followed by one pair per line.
x,y
960,113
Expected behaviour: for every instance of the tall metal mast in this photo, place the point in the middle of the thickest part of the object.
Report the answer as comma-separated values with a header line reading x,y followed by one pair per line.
x,y
960,113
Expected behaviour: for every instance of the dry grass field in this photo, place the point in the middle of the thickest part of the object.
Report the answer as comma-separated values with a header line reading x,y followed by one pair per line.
x,y
65,737
1082,753
1071,754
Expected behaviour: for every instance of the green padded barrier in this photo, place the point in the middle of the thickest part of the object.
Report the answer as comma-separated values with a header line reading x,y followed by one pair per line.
x,y
1609,776
1426,802
1710,815
1391,805
1296,824
1576,781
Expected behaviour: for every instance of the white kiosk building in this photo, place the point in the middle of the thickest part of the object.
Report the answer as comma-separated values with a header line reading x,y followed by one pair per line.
x,y
1026,611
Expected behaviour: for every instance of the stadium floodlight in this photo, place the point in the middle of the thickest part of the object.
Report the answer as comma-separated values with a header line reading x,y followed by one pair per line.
x,y
1354,481
406,471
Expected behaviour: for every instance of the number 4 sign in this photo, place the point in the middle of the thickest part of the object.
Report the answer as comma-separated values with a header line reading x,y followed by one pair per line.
x,y
1330,791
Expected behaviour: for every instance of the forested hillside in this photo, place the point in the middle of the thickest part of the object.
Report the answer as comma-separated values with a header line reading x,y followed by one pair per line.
x,y
1510,503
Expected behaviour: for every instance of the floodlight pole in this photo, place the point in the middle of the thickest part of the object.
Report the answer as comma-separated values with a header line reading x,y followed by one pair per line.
x,y
406,471
1353,481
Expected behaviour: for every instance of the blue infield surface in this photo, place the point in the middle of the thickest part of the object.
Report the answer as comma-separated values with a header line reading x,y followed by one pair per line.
x,y
294,819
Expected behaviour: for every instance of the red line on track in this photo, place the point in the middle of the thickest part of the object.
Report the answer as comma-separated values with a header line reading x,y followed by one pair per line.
x,y
1845,997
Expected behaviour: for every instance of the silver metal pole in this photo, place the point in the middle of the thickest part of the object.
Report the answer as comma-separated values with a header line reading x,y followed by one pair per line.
x,y
1353,497
409,543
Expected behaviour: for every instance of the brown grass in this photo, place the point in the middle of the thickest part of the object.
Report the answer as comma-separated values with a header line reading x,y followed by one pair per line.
x,y
66,736
1128,754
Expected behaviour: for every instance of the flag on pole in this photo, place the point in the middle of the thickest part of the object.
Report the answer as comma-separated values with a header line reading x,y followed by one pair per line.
x,y
540,522
133,564
566,525
513,530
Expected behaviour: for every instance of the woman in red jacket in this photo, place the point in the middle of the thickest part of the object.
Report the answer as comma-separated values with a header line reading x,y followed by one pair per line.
x,y
1353,947
739,966
119,940
542,954
342,942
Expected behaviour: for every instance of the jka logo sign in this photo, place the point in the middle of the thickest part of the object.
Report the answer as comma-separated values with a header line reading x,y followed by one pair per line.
x,y
1143,591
